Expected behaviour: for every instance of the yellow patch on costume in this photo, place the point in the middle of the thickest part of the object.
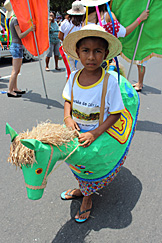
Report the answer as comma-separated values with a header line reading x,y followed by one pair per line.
x,y
122,128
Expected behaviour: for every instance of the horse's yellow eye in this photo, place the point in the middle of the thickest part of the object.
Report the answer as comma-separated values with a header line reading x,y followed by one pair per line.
x,y
38,171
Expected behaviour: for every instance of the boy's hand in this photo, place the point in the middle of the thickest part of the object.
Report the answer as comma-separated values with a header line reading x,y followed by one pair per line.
x,y
144,15
69,122
86,138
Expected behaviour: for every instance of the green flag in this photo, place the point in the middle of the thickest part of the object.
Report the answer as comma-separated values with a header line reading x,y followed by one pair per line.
x,y
151,38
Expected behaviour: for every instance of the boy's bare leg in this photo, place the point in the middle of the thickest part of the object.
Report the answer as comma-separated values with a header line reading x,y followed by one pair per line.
x,y
75,192
86,204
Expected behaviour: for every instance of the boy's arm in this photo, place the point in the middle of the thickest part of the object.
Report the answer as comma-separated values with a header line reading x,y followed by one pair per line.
x,y
69,122
89,137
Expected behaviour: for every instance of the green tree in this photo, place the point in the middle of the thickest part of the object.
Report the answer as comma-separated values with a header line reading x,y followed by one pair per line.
x,y
1,3
55,5
60,5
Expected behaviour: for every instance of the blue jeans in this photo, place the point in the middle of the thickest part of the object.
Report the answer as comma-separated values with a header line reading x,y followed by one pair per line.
x,y
16,50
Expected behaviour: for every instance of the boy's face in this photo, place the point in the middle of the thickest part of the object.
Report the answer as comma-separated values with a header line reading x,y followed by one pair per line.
x,y
92,53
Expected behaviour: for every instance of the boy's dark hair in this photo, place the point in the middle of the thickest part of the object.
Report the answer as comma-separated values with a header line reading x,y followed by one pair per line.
x,y
105,43
76,19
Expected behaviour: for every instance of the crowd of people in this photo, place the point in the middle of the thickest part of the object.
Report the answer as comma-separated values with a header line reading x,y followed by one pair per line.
x,y
73,21
88,45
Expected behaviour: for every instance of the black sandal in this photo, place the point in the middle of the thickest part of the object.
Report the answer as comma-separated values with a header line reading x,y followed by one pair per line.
x,y
13,96
20,92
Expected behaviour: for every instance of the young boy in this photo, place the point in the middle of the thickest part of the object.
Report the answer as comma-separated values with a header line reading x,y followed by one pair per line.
x,y
91,45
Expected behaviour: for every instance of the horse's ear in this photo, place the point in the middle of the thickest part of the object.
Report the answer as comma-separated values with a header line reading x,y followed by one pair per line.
x,y
32,144
11,131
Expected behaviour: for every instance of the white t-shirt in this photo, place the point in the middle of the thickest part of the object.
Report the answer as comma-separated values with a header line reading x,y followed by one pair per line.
x,y
87,101
66,27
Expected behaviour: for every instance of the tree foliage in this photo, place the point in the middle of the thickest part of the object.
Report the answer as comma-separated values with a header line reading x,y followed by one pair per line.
x,y
1,3
55,5
60,5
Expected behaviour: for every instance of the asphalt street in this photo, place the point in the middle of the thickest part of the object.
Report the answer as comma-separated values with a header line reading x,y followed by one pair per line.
x,y
129,210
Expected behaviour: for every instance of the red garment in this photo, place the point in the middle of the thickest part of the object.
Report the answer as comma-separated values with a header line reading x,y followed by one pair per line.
x,y
109,27
39,11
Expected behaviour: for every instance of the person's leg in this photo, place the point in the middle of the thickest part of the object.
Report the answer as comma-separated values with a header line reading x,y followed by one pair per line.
x,y
76,192
56,63
56,55
16,65
47,63
141,73
49,55
86,206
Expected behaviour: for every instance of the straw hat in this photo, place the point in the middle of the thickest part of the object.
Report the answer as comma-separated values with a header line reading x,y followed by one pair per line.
x,y
9,9
92,3
77,9
70,41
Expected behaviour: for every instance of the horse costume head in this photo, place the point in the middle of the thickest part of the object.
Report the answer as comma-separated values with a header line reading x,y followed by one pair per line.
x,y
36,152
37,158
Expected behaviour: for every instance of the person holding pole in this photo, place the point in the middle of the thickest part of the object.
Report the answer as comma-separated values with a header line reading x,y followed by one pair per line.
x,y
106,22
120,31
16,50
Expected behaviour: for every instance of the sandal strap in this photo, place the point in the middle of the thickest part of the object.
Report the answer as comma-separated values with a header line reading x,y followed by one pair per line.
x,y
71,195
85,211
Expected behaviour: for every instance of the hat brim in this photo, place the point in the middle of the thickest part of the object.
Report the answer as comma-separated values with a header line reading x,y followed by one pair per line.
x,y
93,3
70,41
72,12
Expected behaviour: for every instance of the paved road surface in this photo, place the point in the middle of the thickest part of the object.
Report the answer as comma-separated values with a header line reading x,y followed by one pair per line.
x,y
129,210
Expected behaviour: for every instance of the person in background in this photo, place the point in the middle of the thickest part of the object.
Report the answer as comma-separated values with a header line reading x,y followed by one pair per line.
x,y
54,42
16,50
72,24
121,30
66,16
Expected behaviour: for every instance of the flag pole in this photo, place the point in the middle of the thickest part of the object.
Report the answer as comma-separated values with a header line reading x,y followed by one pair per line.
x,y
38,52
137,44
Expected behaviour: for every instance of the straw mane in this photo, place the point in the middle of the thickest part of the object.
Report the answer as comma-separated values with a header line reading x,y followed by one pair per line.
x,y
48,133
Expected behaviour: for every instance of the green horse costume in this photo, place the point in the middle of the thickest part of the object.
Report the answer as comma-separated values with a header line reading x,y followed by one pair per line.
x,y
102,158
